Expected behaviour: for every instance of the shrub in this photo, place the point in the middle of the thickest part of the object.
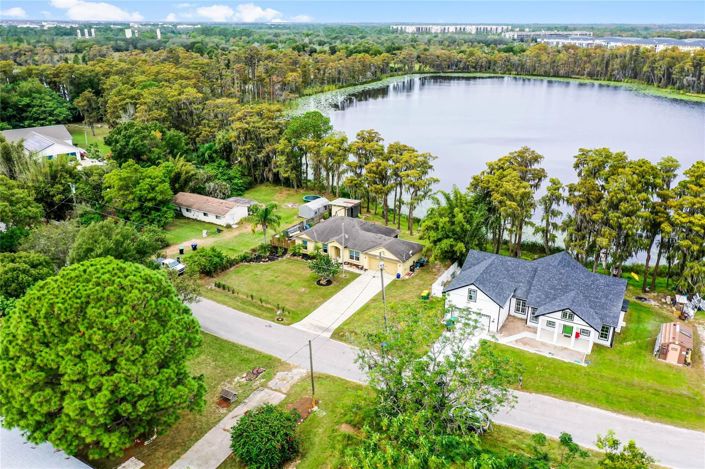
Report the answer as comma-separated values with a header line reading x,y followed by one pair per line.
x,y
265,437
208,261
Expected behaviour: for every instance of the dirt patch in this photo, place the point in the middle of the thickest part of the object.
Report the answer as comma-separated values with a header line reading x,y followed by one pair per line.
x,y
349,429
223,403
303,407
324,282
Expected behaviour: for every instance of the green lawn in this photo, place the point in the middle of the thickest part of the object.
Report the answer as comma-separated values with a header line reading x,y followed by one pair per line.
x,y
625,378
286,282
266,193
183,230
219,361
370,317
326,433
80,132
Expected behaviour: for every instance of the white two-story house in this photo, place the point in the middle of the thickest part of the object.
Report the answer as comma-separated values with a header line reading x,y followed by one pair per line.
x,y
556,296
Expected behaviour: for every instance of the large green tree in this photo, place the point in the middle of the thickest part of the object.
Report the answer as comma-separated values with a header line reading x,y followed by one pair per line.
x,y
550,204
145,143
112,238
428,406
141,195
457,221
52,183
95,357
89,106
29,103
54,240
18,212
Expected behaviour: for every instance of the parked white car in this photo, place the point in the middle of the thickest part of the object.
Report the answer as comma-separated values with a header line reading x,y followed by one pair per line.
x,y
171,264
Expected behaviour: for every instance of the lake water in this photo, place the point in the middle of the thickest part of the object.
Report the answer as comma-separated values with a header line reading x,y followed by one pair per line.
x,y
467,122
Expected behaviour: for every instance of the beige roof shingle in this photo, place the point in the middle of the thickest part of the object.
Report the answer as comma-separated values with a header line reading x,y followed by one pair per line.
x,y
204,203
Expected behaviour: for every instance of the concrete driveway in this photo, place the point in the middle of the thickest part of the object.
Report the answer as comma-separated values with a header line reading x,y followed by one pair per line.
x,y
331,314
671,446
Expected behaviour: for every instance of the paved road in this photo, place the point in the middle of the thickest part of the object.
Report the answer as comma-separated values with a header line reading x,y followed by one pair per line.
x,y
331,314
671,446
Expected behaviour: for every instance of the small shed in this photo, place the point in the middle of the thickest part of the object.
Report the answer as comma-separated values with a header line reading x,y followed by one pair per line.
x,y
314,209
674,343
346,207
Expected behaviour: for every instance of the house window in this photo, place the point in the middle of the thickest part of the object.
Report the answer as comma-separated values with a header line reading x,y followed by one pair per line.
x,y
532,316
325,248
218,217
304,243
520,307
551,324
354,255
585,332
205,214
472,295
605,332
188,210
567,315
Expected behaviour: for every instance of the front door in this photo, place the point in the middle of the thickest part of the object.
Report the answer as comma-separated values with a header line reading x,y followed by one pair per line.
x,y
567,331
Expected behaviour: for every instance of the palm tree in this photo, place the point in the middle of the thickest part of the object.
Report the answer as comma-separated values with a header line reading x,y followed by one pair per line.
x,y
266,217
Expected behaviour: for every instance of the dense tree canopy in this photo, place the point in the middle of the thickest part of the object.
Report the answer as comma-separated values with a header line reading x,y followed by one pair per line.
x,y
21,270
112,238
30,104
95,357
145,143
141,195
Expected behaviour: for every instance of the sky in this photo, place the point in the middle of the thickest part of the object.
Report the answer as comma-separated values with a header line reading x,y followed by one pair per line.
x,y
362,11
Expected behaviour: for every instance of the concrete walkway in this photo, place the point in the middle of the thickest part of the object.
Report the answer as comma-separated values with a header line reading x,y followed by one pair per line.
x,y
331,314
210,451
671,446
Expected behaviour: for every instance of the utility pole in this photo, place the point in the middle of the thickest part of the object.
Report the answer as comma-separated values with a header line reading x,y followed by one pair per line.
x,y
384,296
313,386
85,135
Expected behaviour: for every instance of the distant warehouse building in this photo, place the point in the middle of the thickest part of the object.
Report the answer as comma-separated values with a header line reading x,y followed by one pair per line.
x,y
209,209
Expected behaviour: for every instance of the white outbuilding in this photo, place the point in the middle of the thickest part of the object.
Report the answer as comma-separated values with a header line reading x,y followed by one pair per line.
x,y
315,208
209,209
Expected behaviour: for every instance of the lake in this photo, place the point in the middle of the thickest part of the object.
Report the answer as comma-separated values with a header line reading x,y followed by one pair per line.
x,y
467,122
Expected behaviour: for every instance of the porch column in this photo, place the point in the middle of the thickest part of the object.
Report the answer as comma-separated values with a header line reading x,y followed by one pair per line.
x,y
538,329
572,339
555,331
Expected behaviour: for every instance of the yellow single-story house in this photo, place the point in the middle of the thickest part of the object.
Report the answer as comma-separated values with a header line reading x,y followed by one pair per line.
x,y
359,243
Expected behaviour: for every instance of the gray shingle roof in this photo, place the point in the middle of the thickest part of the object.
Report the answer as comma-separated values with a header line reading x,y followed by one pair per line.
x,y
552,283
362,236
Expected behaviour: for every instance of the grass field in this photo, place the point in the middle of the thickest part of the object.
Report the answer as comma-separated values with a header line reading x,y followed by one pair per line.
x,y
625,378
80,133
218,361
286,282
370,317
183,230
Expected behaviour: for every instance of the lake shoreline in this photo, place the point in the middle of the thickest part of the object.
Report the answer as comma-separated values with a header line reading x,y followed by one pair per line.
x,y
308,102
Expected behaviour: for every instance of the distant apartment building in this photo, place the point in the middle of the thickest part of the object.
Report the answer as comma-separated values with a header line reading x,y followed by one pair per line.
x,y
613,42
528,35
449,28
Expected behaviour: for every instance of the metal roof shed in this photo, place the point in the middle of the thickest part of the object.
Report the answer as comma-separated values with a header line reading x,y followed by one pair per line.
x,y
314,209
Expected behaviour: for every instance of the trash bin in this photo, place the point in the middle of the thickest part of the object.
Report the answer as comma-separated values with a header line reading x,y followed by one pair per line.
x,y
181,250
398,275
205,233
194,246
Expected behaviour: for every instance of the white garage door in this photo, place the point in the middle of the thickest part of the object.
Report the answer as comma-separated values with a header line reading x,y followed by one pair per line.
x,y
482,322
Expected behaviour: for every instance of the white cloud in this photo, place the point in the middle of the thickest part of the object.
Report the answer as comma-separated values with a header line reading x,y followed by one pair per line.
x,y
46,14
302,19
216,13
243,13
251,13
14,12
171,17
95,11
